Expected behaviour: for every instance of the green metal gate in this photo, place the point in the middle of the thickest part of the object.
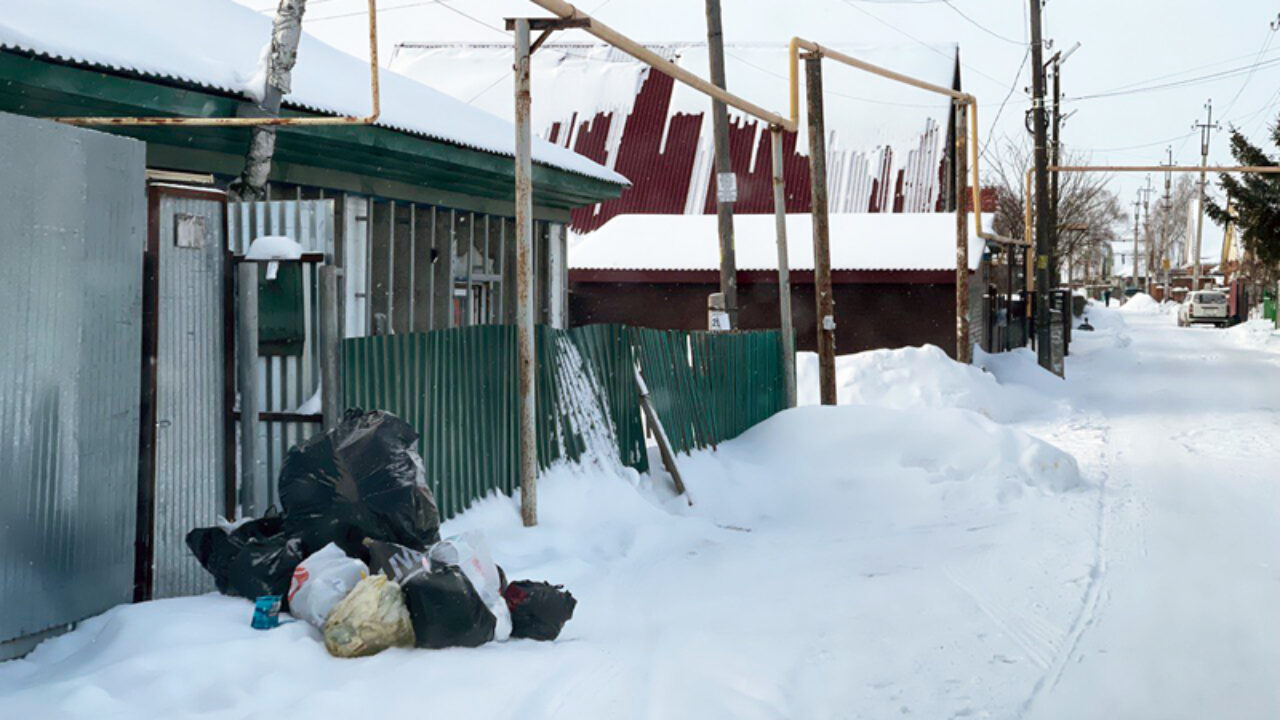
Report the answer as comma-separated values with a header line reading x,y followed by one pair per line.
x,y
458,388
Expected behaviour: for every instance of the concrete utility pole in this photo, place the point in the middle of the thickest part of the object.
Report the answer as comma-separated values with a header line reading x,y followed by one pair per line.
x,y
524,281
1055,151
726,181
1137,215
1167,206
964,347
1044,249
1146,231
1205,128
826,325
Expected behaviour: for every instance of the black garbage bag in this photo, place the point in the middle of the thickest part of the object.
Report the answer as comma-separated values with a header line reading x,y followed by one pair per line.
x,y
539,610
360,479
397,562
446,610
253,560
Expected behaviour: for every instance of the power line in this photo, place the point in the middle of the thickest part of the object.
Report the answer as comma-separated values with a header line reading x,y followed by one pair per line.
x,y
982,27
991,134
918,41
363,13
1220,75
1266,42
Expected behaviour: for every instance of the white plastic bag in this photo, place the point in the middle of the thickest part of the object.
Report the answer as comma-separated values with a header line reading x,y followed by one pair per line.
x,y
470,552
321,581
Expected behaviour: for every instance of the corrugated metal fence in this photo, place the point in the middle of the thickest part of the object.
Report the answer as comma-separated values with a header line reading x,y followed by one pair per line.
x,y
457,387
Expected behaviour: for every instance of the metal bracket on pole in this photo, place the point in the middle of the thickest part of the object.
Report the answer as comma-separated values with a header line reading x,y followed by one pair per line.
x,y
548,26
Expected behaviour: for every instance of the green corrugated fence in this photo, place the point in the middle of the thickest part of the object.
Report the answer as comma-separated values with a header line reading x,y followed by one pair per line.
x,y
458,388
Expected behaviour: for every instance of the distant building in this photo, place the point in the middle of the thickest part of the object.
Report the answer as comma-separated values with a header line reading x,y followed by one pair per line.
x,y
888,146
893,277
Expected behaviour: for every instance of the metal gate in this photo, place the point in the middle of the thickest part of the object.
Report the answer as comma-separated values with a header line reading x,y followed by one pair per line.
x,y
185,423
71,218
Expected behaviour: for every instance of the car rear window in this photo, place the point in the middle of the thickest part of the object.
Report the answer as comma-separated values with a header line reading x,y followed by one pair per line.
x,y
1211,298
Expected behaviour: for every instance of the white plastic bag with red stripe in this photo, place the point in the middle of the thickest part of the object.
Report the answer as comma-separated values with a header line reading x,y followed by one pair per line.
x,y
321,581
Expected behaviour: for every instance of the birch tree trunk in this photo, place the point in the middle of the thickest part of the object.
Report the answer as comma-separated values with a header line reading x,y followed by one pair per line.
x,y
287,30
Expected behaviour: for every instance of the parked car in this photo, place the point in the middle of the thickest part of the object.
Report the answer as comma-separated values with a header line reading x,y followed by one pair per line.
x,y
1204,306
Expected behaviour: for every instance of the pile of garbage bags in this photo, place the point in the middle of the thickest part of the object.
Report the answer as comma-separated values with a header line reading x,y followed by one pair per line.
x,y
357,552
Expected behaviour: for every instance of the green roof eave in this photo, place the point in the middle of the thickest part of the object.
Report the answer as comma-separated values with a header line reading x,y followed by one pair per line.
x,y
37,87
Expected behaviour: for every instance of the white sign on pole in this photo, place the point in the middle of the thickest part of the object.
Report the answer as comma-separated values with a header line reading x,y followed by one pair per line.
x,y
726,187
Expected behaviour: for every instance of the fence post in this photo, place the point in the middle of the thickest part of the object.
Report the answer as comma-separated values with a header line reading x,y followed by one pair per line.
x,y
525,369
330,340
253,483
784,268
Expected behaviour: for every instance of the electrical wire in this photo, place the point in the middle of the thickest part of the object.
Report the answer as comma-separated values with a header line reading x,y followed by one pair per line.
x,y
1220,75
991,134
982,27
1266,43
918,41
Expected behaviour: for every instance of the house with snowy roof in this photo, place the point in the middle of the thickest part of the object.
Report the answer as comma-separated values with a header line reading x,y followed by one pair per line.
x,y
120,250
893,276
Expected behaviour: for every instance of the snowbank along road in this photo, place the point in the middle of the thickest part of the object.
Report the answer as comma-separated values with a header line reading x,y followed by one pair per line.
x,y
950,543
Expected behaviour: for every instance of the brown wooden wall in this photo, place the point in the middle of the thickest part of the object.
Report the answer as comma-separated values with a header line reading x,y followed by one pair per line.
x,y
868,315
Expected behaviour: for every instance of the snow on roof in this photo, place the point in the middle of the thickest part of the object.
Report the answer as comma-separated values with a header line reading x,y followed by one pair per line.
x,y
876,127
586,78
219,45
864,241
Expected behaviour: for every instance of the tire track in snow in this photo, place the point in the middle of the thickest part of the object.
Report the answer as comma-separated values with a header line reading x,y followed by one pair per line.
x,y
1091,603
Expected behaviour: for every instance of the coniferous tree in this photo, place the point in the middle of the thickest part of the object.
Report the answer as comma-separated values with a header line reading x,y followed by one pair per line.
x,y
1255,199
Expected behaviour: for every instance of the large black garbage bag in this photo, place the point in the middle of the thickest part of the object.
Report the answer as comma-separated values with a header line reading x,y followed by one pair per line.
x,y
446,610
360,479
253,560
538,610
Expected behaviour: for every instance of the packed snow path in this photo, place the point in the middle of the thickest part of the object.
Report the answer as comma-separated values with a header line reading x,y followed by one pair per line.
x,y
930,550
1185,620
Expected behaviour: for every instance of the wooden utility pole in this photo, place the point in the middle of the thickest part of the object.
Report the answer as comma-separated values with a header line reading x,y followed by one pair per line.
x,y
1044,248
784,266
726,181
964,348
826,317
1205,128
525,357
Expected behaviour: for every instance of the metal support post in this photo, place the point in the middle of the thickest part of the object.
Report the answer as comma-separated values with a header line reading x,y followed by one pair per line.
x,y
826,325
253,471
524,281
330,343
964,349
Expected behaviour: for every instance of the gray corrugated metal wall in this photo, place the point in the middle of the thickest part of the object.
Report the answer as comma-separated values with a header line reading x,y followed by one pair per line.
x,y
190,435
72,231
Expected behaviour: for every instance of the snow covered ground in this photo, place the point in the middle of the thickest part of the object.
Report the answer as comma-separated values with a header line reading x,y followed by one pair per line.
x,y
952,542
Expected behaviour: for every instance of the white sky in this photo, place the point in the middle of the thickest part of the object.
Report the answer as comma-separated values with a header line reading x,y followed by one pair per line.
x,y
1125,43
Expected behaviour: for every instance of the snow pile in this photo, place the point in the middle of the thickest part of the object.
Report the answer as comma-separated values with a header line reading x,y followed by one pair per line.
x,y
1109,325
274,247
680,607
919,377
1141,304
1258,333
